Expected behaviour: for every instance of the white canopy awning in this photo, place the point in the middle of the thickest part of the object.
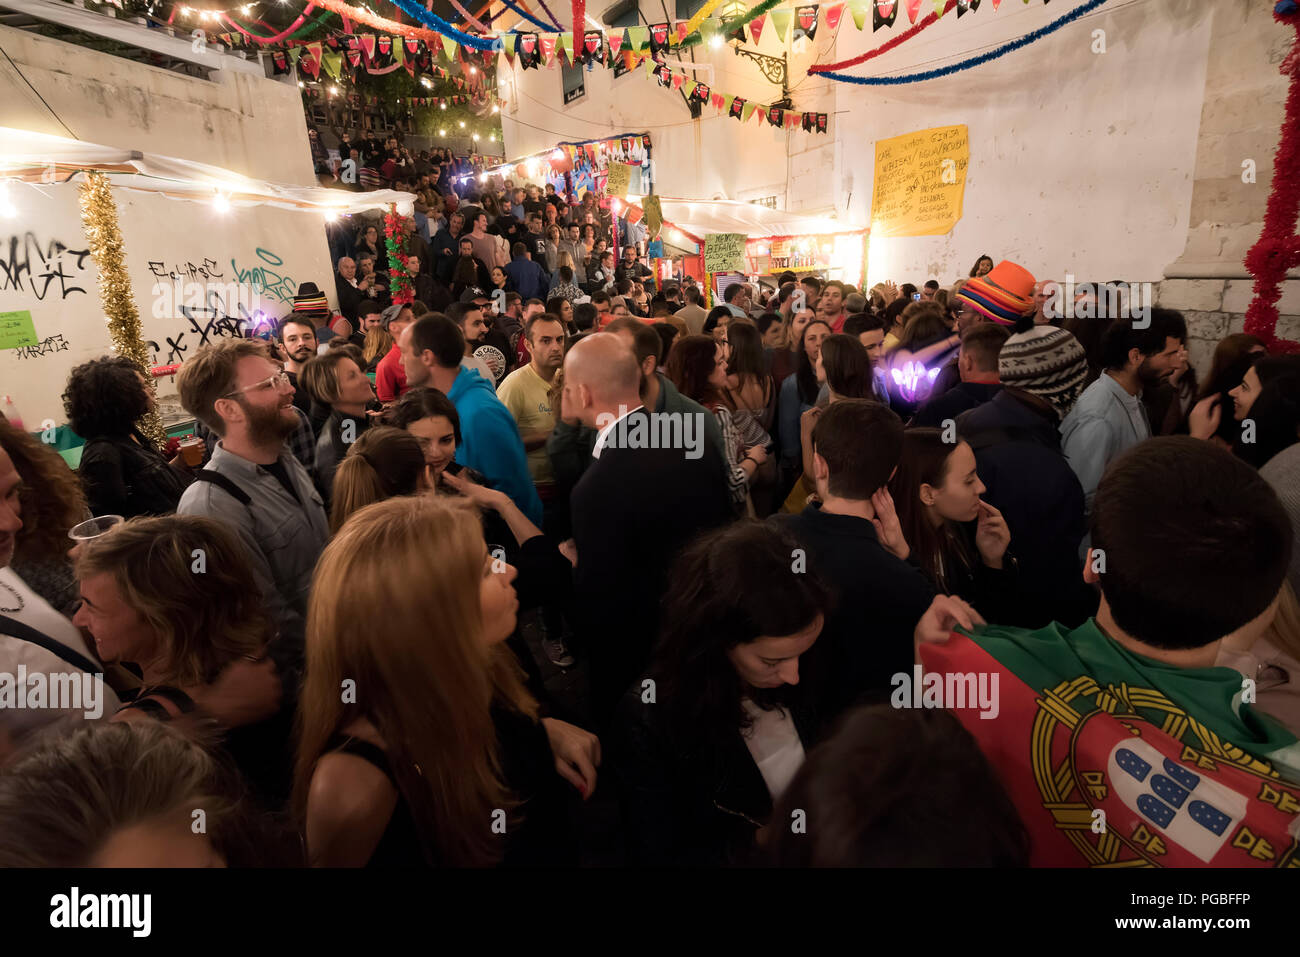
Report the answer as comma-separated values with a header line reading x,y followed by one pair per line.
x,y
41,158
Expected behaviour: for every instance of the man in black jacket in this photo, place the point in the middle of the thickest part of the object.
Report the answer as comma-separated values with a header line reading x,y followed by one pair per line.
x,y
854,543
634,509
1027,477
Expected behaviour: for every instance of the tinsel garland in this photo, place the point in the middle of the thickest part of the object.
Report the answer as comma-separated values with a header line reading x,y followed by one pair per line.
x,y
975,61
431,19
553,25
293,34
731,26
469,17
399,282
1278,249
99,220
380,23
884,48
283,34
580,24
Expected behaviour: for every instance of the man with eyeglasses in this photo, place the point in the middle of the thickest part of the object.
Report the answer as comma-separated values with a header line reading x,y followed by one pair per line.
x,y
253,482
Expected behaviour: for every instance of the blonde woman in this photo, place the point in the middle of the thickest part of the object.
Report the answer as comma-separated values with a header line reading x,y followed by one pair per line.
x,y
433,753
379,342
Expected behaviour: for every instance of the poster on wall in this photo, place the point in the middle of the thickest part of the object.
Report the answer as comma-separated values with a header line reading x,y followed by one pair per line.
x,y
198,276
920,182
724,252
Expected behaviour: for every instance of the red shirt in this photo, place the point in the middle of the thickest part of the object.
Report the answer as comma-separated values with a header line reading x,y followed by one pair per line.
x,y
390,376
838,325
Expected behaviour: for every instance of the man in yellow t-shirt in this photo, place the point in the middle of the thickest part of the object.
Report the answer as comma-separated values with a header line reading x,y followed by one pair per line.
x,y
526,393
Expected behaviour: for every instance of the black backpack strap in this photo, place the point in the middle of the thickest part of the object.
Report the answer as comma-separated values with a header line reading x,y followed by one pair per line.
x,y
16,629
225,483
144,701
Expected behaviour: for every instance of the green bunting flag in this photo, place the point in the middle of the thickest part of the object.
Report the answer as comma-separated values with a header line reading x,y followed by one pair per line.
x,y
781,20
859,9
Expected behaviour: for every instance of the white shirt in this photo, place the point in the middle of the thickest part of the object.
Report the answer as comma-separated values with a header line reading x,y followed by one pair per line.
x,y
774,744
19,602
603,434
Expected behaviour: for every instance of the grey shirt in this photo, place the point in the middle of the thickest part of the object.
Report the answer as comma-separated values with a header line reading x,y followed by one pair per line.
x,y
283,536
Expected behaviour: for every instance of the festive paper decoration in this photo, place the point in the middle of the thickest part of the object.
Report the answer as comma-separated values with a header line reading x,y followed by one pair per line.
x,y
1278,248
756,28
883,14
781,23
972,62
805,22
883,48
104,238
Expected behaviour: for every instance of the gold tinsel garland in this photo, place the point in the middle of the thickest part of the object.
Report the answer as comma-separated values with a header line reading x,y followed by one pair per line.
x,y
99,220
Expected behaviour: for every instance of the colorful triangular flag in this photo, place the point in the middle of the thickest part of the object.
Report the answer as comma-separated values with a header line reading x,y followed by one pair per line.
x,y
886,11
615,41
449,48
805,22
756,27
548,47
638,37
913,9
781,23
746,111
833,14
859,10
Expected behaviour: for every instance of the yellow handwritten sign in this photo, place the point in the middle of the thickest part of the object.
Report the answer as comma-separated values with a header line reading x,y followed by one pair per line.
x,y
724,252
920,181
620,178
17,330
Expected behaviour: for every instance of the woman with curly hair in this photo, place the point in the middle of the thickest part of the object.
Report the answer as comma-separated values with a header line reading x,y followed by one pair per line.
x,y
123,472
51,501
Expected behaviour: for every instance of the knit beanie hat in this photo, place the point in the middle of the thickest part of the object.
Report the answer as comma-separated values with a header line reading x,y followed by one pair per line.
x,y
1047,362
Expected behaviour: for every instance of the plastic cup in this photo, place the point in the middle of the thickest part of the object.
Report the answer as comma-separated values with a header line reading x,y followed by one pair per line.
x,y
95,527
192,450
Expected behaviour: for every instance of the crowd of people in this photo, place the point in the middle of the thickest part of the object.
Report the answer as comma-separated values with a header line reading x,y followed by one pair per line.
x,y
744,527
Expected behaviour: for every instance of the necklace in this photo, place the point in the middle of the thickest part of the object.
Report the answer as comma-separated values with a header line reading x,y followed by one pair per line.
x,y
16,597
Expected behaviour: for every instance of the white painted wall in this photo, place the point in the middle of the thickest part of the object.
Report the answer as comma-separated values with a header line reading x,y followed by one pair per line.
x,y
1079,162
250,125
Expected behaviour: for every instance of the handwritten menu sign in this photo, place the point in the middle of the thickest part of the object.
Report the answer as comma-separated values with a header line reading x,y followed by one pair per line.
x,y
724,252
920,182
17,330
620,178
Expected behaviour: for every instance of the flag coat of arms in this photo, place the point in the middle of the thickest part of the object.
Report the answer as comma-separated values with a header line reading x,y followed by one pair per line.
x,y
1117,760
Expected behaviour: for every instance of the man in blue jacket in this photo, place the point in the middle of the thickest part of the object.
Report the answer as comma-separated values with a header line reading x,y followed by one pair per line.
x,y
432,349
529,278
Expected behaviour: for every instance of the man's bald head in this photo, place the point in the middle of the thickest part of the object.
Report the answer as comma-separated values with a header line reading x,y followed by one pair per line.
x,y
600,374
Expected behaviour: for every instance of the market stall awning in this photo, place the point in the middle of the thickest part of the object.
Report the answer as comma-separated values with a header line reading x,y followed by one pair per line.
x,y
39,158
699,217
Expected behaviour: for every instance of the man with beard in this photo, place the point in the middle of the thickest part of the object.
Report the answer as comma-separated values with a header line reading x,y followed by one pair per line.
x,y
468,314
465,265
253,483
298,344
526,393
1109,416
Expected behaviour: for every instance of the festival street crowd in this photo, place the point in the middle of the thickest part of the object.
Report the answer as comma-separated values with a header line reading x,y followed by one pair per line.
x,y
526,555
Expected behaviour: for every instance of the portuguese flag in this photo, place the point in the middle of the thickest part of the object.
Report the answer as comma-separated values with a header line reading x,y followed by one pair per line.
x,y
1116,760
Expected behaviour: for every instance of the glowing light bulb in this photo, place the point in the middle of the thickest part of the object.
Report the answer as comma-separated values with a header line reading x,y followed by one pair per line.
x,y
462,124
474,137
473,71
716,42
442,106
558,154
425,81
495,108
246,9
302,85
334,91
221,202
442,132
483,177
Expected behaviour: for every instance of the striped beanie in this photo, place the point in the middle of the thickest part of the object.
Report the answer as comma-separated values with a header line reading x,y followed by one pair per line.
x,y
1047,362
1003,295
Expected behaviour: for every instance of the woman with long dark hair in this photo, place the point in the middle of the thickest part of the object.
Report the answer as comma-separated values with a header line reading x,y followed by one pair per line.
x,y
123,472
959,541
983,266
799,393
1233,357
698,367
1266,410
383,463
732,714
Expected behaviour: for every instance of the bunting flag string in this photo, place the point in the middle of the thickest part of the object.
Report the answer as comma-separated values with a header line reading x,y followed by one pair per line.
x,y
554,25
884,47
287,31
971,62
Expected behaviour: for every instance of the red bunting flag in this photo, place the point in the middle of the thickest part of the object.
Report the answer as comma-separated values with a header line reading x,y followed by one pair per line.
x,y
833,14
756,27
368,44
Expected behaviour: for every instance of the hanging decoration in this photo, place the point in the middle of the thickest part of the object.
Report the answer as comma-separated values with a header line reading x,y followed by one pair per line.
x,y
971,62
883,14
553,25
431,19
883,48
1278,248
104,237
403,291
805,22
